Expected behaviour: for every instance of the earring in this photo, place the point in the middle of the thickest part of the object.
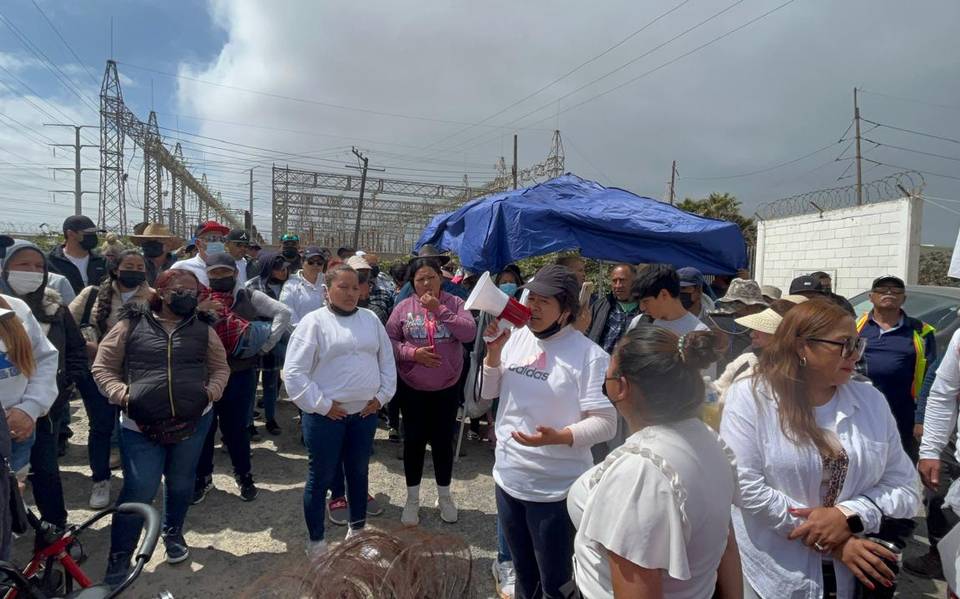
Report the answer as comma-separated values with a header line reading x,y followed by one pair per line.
x,y
803,361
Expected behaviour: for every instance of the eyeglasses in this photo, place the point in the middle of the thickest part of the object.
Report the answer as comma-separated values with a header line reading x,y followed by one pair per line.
x,y
213,238
854,346
315,261
888,291
603,388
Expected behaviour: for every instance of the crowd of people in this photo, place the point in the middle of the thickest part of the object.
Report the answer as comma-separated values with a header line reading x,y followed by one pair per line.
x,y
612,479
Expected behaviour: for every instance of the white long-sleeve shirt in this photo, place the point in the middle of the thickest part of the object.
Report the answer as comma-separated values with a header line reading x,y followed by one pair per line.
x,y
940,417
303,297
36,394
278,313
776,474
344,359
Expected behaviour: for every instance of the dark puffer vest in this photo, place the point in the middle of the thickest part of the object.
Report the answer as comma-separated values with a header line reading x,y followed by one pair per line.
x,y
166,372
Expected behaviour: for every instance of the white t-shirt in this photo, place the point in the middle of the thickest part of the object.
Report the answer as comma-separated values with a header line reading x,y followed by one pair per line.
x,y
81,264
663,503
550,382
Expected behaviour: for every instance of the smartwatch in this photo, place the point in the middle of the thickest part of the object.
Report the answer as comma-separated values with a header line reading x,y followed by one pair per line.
x,y
855,524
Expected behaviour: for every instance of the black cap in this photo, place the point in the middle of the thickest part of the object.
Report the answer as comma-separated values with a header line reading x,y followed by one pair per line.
x,y
313,251
221,260
804,283
80,223
888,281
553,280
345,252
238,236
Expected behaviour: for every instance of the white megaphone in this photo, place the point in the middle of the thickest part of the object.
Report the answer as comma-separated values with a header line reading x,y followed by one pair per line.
x,y
487,297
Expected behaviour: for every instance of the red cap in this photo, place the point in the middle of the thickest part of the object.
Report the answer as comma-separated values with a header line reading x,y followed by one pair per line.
x,y
212,226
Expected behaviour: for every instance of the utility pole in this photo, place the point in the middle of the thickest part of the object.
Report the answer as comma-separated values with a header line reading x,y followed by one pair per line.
x,y
77,170
250,232
363,184
673,181
856,118
514,160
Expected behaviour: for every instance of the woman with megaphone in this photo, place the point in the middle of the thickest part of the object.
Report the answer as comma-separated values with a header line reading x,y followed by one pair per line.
x,y
549,379
428,330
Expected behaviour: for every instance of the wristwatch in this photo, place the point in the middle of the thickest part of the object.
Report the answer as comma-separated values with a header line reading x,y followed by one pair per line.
x,y
855,524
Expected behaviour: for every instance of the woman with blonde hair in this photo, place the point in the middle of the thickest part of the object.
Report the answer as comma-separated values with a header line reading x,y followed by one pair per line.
x,y
819,462
28,375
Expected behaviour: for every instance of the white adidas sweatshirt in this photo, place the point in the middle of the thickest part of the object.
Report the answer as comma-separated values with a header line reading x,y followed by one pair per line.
x,y
35,395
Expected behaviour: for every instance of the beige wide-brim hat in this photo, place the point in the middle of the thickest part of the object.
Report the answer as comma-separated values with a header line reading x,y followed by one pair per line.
x,y
765,322
155,232
796,299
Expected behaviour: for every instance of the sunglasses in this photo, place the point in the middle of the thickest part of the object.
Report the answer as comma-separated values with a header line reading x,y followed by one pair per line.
x,y
888,291
315,261
603,388
854,346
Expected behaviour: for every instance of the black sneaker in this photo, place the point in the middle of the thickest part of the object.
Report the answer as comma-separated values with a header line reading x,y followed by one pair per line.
x,y
394,435
177,550
256,413
248,490
273,428
201,488
253,432
118,567
927,565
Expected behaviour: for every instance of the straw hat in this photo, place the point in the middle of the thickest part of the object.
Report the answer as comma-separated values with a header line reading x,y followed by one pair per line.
x,y
797,299
155,232
765,322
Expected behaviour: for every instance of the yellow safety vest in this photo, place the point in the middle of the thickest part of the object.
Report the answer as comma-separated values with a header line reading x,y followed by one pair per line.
x,y
920,366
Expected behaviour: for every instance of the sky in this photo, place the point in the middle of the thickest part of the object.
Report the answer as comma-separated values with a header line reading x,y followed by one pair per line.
x,y
433,91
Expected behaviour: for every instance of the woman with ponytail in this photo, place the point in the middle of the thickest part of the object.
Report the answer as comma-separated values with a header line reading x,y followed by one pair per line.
x,y
97,310
819,461
28,375
653,519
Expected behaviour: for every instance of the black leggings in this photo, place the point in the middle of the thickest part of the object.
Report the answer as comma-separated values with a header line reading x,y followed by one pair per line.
x,y
428,417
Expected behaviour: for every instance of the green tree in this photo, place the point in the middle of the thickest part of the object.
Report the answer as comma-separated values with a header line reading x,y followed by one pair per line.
x,y
722,206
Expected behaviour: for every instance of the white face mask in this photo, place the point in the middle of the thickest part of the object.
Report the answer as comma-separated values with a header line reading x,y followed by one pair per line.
x,y
24,283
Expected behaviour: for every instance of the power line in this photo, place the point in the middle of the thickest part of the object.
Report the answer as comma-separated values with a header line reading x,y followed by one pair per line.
x,y
908,168
655,69
885,145
567,74
771,168
921,133
303,100
57,31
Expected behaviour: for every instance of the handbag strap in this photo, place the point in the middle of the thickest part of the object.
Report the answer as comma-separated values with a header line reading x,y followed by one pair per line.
x,y
88,309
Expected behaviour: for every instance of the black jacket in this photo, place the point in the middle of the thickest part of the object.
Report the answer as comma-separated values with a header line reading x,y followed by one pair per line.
x,y
166,372
65,335
153,272
96,269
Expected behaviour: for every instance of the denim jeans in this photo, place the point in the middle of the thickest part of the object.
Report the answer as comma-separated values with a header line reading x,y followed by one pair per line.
x,y
503,550
145,463
20,452
45,469
102,416
329,442
540,537
270,380
231,413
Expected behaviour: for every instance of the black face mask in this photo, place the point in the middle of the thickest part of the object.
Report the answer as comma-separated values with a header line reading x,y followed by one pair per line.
x,y
687,300
290,253
152,249
183,304
223,285
131,278
89,241
374,272
342,312
550,331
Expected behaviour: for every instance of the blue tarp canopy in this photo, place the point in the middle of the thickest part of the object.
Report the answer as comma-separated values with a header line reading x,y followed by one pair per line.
x,y
604,223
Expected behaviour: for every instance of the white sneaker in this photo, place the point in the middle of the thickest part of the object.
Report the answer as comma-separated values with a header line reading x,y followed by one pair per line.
x,y
411,514
505,578
100,495
448,509
315,549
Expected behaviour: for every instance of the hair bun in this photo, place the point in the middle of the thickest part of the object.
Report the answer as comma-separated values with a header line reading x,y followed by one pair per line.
x,y
699,349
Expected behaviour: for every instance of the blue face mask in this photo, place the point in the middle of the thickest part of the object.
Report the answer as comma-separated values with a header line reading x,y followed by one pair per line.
x,y
508,288
215,247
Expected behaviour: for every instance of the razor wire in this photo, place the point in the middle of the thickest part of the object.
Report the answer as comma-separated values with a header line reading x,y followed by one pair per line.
x,y
891,187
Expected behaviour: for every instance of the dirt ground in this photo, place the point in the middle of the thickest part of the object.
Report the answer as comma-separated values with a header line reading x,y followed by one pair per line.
x,y
234,544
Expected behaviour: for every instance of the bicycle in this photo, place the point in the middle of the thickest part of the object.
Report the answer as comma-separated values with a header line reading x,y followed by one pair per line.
x,y
55,568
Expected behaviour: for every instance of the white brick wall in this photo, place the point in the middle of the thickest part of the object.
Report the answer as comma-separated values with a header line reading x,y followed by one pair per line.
x,y
857,244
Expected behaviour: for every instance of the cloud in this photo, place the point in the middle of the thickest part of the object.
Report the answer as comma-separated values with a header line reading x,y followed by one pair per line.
x,y
770,93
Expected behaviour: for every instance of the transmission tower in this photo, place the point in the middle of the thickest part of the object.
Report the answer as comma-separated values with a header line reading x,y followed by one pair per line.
x,y
178,200
152,186
113,211
555,159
